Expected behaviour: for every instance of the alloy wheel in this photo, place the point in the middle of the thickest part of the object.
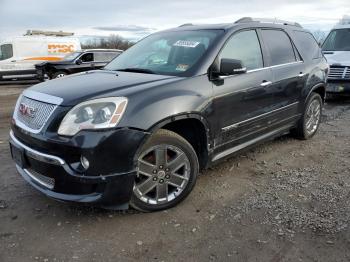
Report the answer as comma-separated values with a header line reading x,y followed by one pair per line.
x,y
313,116
163,173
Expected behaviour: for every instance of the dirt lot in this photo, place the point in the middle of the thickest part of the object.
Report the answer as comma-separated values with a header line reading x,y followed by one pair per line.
x,y
287,200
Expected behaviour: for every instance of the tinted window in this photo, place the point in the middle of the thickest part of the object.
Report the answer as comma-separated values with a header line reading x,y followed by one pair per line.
x,y
244,46
279,46
88,57
307,45
338,40
6,51
167,53
104,56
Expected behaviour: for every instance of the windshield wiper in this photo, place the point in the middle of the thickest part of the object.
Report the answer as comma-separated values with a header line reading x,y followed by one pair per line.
x,y
137,70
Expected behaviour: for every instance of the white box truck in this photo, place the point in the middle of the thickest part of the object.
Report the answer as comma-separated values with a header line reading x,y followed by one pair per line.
x,y
19,54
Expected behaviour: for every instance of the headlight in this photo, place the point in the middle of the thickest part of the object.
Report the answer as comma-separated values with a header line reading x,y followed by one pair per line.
x,y
94,114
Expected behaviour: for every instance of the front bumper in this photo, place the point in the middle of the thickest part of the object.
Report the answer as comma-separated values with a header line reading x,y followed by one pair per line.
x,y
339,87
59,178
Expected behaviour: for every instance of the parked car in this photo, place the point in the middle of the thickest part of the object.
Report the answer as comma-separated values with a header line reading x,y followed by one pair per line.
x,y
18,55
336,49
139,131
76,62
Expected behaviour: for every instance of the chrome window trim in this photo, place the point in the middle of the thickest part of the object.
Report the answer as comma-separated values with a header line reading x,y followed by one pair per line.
x,y
235,125
263,68
50,159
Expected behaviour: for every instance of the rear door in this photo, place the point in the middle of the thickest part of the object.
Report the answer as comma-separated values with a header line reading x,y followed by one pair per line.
x,y
288,75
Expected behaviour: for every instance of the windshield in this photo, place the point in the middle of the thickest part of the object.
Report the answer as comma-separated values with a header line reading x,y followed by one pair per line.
x,y
167,53
71,56
337,40
6,51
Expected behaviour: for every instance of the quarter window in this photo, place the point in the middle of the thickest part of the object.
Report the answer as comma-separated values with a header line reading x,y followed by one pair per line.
x,y
244,46
307,44
280,47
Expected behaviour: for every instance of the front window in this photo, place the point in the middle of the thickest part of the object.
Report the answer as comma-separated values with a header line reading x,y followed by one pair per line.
x,y
244,46
87,57
167,53
6,51
337,40
71,56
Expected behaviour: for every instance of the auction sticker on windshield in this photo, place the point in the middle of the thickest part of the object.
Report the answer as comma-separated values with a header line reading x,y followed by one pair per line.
x,y
181,67
185,43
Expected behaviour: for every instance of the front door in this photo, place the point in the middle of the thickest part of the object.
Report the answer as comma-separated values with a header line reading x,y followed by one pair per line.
x,y
241,102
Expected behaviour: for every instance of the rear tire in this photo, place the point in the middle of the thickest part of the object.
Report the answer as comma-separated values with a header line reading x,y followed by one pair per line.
x,y
59,74
167,172
310,122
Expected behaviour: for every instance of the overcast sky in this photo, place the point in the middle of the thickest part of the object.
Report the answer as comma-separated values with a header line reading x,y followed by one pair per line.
x,y
134,19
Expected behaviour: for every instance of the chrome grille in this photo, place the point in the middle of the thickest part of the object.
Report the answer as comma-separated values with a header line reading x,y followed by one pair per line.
x,y
342,72
41,179
42,112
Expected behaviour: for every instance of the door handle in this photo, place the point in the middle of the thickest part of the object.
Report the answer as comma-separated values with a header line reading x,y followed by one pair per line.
x,y
301,74
266,83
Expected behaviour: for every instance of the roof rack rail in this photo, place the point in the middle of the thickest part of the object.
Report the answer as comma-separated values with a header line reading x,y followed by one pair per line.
x,y
266,20
48,33
187,24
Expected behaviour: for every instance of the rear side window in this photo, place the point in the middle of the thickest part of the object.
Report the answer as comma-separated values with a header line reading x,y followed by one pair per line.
x,y
244,46
280,47
104,56
307,45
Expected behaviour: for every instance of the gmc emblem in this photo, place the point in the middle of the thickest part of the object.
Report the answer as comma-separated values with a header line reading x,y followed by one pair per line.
x,y
26,110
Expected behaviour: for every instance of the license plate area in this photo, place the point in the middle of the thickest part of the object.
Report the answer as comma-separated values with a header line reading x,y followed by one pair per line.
x,y
18,155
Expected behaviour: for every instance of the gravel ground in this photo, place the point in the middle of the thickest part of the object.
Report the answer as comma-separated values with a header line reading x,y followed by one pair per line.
x,y
286,200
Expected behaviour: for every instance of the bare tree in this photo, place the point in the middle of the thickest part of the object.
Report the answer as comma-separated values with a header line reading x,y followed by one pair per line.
x,y
110,42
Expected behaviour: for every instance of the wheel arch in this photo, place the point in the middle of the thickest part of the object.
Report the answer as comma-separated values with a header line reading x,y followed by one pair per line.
x,y
319,88
191,126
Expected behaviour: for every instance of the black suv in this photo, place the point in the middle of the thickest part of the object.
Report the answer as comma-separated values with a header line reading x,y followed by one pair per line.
x,y
139,131
76,62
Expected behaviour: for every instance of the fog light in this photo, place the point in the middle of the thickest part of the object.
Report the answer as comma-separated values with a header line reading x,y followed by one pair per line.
x,y
84,162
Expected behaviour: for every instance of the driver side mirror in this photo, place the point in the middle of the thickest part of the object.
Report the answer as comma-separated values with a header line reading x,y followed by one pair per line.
x,y
78,61
231,67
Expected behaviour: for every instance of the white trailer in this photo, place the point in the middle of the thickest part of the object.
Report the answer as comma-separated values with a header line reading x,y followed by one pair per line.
x,y
19,54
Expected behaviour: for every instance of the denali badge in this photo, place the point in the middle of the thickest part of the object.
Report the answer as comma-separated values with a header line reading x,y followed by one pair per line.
x,y
26,110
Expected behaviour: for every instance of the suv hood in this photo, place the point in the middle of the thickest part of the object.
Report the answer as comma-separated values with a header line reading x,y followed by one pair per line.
x,y
77,88
337,57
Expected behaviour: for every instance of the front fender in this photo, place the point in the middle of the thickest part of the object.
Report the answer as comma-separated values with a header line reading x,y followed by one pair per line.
x,y
147,109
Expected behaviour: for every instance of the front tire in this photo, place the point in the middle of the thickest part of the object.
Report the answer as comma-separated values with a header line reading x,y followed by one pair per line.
x,y
167,172
59,74
311,119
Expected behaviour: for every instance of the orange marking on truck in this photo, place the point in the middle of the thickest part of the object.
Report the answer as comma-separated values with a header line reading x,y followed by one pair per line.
x,y
44,58
60,48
